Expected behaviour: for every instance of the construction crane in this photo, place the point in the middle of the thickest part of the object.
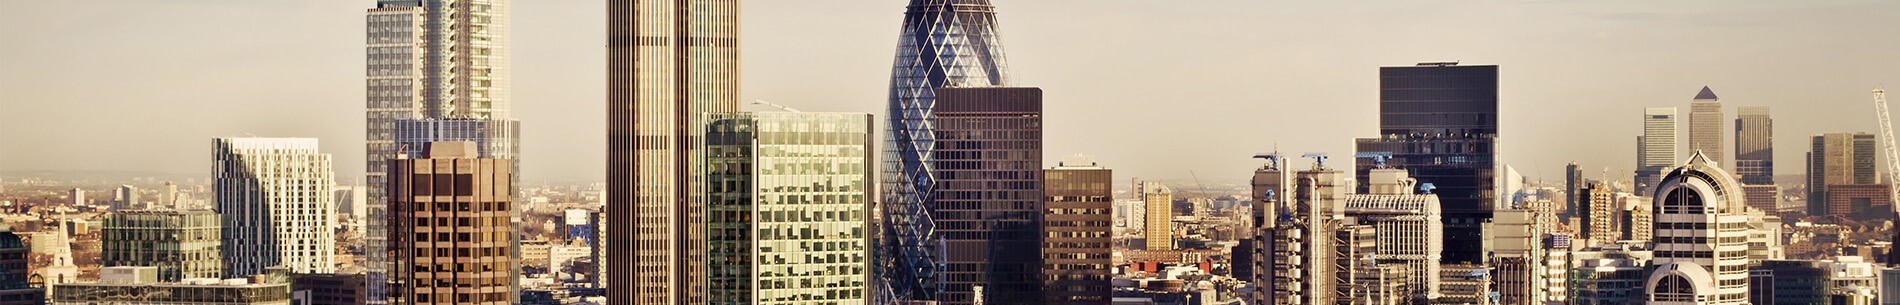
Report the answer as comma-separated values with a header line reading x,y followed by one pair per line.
x,y
780,107
1886,135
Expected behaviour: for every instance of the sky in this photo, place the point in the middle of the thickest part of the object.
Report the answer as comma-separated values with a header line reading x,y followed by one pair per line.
x,y
1152,89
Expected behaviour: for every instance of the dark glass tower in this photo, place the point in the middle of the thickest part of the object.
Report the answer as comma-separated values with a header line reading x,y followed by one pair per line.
x,y
1440,122
943,43
988,200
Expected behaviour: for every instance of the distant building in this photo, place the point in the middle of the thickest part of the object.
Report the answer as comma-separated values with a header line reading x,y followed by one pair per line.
x,y
1440,122
274,196
1600,213
181,244
789,200
1705,126
1655,148
1573,184
1159,222
78,196
1837,159
328,289
264,289
1790,282
1754,146
1766,198
1607,281
14,287
1860,201
1701,239
458,248
128,197
1076,214
1269,192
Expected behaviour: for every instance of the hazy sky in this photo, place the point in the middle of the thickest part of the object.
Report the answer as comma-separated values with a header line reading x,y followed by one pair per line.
x,y
1151,88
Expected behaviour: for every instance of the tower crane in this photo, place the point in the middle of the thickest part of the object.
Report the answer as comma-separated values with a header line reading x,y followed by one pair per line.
x,y
780,107
1893,154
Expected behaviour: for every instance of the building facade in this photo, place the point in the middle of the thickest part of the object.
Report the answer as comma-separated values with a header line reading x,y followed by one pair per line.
x,y
449,228
14,284
1755,146
194,292
275,198
788,220
1656,148
329,289
181,244
1836,159
988,193
1705,126
1701,239
1409,228
667,62
1600,211
942,43
1158,222
1440,122
1077,198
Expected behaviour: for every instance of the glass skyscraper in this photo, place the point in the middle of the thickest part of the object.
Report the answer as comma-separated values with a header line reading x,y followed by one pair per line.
x,y
668,62
788,208
1754,146
943,43
1440,122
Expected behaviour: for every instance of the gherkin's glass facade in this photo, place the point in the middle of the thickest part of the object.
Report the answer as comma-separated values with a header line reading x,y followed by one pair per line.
x,y
944,43
788,208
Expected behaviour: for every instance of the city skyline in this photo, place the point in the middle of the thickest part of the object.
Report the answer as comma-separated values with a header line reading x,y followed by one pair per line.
x,y
1810,61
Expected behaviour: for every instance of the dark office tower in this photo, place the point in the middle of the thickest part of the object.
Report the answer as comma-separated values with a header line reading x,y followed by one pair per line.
x,y
1754,146
1837,159
1573,181
1077,196
1440,122
429,60
943,43
449,227
1705,125
14,289
788,201
667,62
988,196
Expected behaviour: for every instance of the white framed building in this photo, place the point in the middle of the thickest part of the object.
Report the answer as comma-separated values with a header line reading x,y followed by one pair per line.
x,y
276,198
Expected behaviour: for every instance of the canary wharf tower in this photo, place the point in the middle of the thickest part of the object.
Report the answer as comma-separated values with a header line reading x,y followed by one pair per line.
x,y
944,43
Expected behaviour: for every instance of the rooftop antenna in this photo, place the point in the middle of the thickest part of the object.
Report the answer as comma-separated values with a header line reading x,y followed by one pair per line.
x,y
1319,159
780,107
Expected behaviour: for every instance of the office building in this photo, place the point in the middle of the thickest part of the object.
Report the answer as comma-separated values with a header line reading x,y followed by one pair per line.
x,y
274,195
789,199
1597,205
667,62
1518,259
1655,148
181,244
1859,201
328,289
1790,282
128,198
1268,194
1766,198
1636,217
1077,195
130,286
1410,230
988,193
14,289
1573,185
450,233
1755,146
1609,280
1306,255
1701,242
580,225
1837,159
1158,220
432,61
1705,126
1440,122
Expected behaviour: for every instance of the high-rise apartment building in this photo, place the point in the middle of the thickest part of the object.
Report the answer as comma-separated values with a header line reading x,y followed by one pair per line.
x,y
667,62
1599,210
1705,126
274,194
450,235
181,244
1573,182
1755,146
1838,159
1077,197
1440,122
1701,237
1656,148
942,44
789,203
1158,229
436,70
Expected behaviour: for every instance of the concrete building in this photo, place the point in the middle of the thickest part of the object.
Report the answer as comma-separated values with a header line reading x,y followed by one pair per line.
x,y
1306,262
1705,126
180,244
1607,281
790,198
1077,194
1859,201
1439,121
452,241
129,286
1754,146
328,289
1158,222
1269,197
274,194
78,197
663,70
1765,198
1656,148
1600,214
1837,159
1701,239
1409,226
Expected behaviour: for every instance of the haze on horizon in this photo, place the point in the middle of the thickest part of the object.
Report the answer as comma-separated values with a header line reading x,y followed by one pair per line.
x,y
1152,89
